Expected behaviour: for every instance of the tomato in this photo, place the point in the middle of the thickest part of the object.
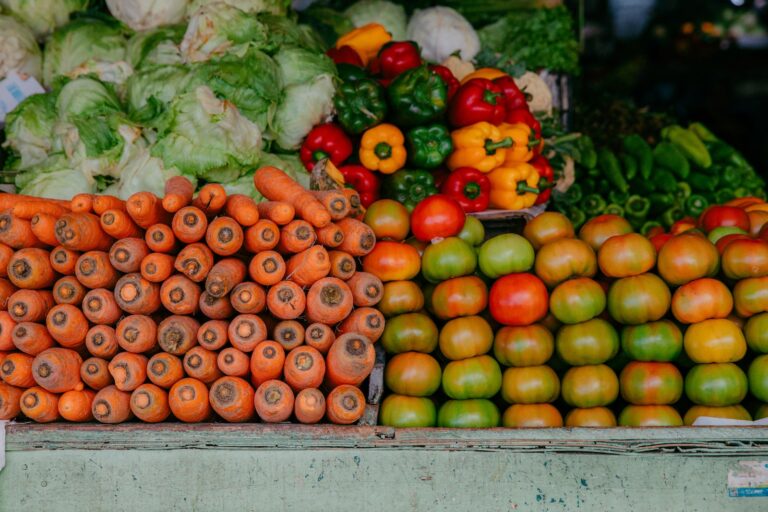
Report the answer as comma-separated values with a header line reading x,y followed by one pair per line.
x,y
465,337
645,383
412,374
529,345
407,412
548,227
590,386
745,258
392,261
716,216
734,412
654,341
757,219
758,378
409,332
505,254
460,296
468,414
400,297
473,231
599,229
725,241
532,416
750,296
718,234
716,384
577,300
530,385
518,299
626,255
437,216
450,257
687,257
683,225
761,412
417,244
638,299
388,219
650,416
564,259
756,333
592,342
701,300
476,377
714,341
659,240
596,417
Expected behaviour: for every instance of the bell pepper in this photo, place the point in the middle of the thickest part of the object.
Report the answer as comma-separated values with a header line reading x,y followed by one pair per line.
x,y
637,207
671,215
523,115
614,209
617,196
475,101
514,187
469,187
487,73
428,146
382,149
440,175
345,55
350,72
409,187
689,144
637,147
397,57
523,142
366,40
364,181
666,155
663,181
593,205
571,196
514,98
325,141
683,191
609,164
546,178
703,182
724,195
417,96
480,145
695,205
660,202
451,82
359,105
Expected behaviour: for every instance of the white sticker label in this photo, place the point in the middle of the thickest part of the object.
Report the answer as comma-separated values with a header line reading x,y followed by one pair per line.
x,y
748,480
13,90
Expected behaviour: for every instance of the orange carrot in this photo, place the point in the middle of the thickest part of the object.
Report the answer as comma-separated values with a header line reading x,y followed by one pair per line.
x,y
75,405
40,405
212,335
215,308
267,361
319,336
31,268
6,290
110,405
177,334
28,209
82,232
160,238
274,401
246,331
224,276
10,397
17,233
67,325
329,301
7,325
16,370
286,300
243,209
296,236
157,267
136,295
94,270
149,403
232,361
64,260
367,289
275,185
224,236
101,341
232,399
180,295
330,236
309,406
127,253
118,224
32,338
194,261
165,370
359,238
342,264
30,305
136,333
279,212
304,368
104,202
100,307
58,370
95,373
82,203
262,236
267,268
356,209
211,199
44,227
189,224
145,208
178,193
366,321
5,256
334,201
308,266
129,370
350,359
345,405
188,400
10,200
201,364
289,333
248,297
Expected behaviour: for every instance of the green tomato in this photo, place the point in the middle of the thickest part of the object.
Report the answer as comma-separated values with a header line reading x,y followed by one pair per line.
x,y
638,299
450,257
716,384
592,342
756,332
407,412
577,300
506,254
758,378
655,341
476,413
409,332
473,231
721,231
475,377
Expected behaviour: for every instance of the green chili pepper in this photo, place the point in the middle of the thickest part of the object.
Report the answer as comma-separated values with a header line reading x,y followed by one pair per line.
x,y
588,184
660,201
604,186
741,192
683,190
587,151
702,132
409,187
689,144
592,204
724,195
593,172
617,196
614,209
417,96
609,164
642,186
428,146
671,216
695,205
630,165
667,156
637,207
636,146
649,225
702,182
664,181
360,105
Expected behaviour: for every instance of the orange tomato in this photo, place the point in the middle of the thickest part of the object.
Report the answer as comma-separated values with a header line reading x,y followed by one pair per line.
x,y
757,219
745,258
735,412
599,229
750,296
597,417
687,257
388,219
650,416
714,341
626,255
548,227
563,259
529,345
590,386
532,416
530,385
701,300
393,261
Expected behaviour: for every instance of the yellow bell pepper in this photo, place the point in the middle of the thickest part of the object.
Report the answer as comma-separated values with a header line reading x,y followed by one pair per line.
x,y
487,73
760,207
480,145
514,187
523,142
366,40
382,149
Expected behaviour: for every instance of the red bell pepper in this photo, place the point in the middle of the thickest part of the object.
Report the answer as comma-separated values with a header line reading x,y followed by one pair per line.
x,y
345,55
325,141
469,187
514,98
477,100
440,175
546,178
364,181
523,115
451,82
397,57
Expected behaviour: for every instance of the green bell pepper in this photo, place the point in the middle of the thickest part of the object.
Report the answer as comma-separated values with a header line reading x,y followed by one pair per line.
x,y
577,217
572,196
417,96
351,73
618,197
637,207
649,225
724,195
695,205
703,182
730,176
660,202
611,168
614,209
636,146
689,145
592,204
428,146
642,186
683,190
671,216
409,187
360,105
667,156
630,165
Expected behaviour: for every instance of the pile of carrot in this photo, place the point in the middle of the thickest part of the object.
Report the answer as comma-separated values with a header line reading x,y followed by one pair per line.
x,y
192,307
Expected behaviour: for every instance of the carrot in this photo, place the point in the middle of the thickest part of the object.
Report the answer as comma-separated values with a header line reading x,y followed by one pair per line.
x,y
262,236
296,236
366,321
359,238
304,368
178,193
367,289
189,224
232,361
274,401
160,238
177,334
275,185
188,400
248,297
194,261
95,373
286,300
118,224
243,209
104,202
329,301
31,268
215,308
224,236
180,295
129,370
201,364
350,359
28,209
345,405
82,203
58,370
319,336
309,406
30,305
40,405
136,295
110,405
289,333
32,338
334,201
82,232
267,268
10,397
224,276
68,325
330,236
165,369
308,266
101,341
212,335
16,370
17,233
232,399
68,290
267,361
10,200
5,256
6,290
44,227
145,208
126,254
136,333
279,212
94,270
211,199
64,260
356,209
156,267
7,324
246,331
100,307
149,403
76,405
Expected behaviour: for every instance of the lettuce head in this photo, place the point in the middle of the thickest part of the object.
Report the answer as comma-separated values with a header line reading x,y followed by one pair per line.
x,y
18,49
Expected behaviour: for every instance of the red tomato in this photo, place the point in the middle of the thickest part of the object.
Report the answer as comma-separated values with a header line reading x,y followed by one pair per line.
x,y
701,300
532,416
683,225
659,240
626,255
655,230
518,299
437,216
716,216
